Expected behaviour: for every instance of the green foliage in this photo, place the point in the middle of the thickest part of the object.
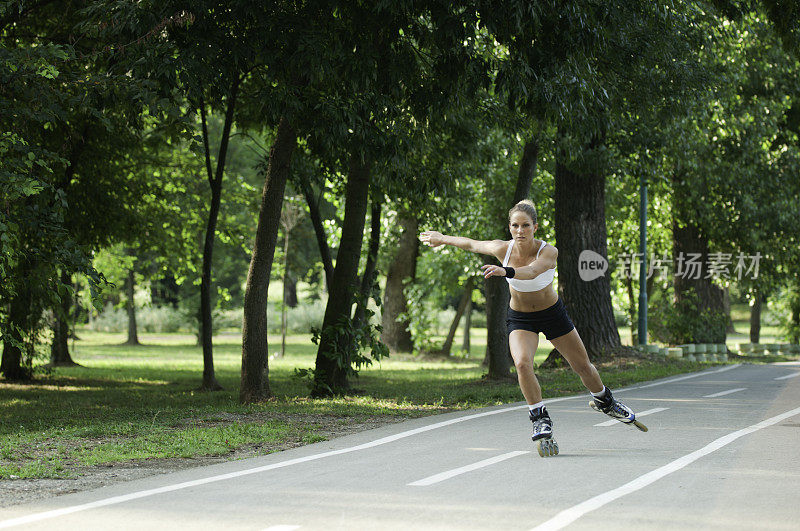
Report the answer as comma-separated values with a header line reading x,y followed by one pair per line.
x,y
682,322
69,181
99,144
476,206
31,210
422,315
786,306
736,149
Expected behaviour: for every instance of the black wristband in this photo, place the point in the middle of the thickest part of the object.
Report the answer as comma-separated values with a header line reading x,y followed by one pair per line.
x,y
509,272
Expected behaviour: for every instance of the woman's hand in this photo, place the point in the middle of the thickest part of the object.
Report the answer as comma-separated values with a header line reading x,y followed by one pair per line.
x,y
490,270
431,238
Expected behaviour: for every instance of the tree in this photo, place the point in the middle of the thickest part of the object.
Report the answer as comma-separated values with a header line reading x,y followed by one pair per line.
x,y
210,382
580,220
653,44
310,176
255,371
290,215
463,305
396,334
333,360
82,121
369,287
357,97
726,166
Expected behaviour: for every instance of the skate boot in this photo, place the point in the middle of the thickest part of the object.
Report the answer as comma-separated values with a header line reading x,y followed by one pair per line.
x,y
543,433
615,409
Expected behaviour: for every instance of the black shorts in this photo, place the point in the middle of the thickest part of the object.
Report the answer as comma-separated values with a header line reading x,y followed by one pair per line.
x,y
553,321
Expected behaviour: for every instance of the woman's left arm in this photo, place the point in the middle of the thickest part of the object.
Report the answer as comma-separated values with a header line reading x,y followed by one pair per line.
x,y
547,260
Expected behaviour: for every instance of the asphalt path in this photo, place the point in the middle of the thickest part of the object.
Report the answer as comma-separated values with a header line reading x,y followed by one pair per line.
x,y
722,453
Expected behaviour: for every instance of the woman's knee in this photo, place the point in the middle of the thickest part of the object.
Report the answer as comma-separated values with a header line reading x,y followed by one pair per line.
x,y
524,364
584,368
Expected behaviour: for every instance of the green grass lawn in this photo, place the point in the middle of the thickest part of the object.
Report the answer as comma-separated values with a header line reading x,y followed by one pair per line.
x,y
130,403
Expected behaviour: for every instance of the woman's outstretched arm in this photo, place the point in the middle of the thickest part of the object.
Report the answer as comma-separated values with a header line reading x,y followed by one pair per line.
x,y
432,238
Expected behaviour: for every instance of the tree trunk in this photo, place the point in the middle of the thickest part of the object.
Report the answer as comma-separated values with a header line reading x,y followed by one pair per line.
x,y
726,305
77,312
165,291
628,281
284,295
497,350
368,277
465,346
462,307
11,365
755,317
59,350
210,382
333,362
396,335
290,291
319,231
687,239
255,368
360,320
527,169
794,320
130,306
580,225
498,353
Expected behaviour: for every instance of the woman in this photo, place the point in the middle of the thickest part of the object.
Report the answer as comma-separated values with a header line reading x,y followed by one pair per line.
x,y
529,266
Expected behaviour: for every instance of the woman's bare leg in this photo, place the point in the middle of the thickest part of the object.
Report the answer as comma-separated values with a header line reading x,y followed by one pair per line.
x,y
523,346
571,347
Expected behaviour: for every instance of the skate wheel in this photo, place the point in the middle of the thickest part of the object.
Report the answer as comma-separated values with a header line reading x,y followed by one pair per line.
x,y
639,425
547,447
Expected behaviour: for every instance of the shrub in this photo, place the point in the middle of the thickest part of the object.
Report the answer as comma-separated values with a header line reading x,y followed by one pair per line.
x,y
166,319
110,320
424,319
785,313
299,320
151,319
683,322
162,319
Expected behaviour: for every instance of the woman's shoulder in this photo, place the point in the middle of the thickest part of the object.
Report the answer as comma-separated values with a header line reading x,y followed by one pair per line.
x,y
548,246
547,250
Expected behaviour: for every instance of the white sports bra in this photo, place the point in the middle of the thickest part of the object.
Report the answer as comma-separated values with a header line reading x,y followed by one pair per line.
x,y
533,284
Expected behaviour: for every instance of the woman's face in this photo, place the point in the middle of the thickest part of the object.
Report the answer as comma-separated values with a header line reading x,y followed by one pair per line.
x,y
521,226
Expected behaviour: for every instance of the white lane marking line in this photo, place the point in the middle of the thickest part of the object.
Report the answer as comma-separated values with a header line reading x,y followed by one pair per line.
x,y
793,375
378,442
212,479
282,528
696,375
566,517
723,393
436,478
640,414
